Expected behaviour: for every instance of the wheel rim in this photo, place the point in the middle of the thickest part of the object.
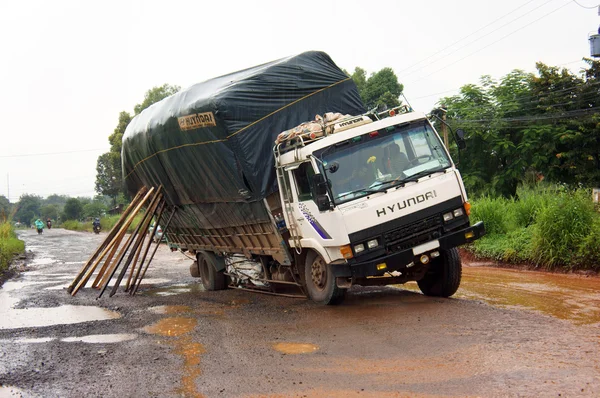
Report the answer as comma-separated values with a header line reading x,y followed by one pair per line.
x,y
319,273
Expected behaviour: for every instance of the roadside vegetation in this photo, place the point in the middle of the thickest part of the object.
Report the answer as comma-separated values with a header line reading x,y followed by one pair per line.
x,y
106,224
550,227
10,246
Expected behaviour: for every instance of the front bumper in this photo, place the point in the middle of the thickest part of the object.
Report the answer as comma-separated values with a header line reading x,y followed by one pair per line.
x,y
400,260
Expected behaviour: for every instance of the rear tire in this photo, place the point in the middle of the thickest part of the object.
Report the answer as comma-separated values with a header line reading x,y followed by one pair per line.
x,y
443,278
211,278
320,282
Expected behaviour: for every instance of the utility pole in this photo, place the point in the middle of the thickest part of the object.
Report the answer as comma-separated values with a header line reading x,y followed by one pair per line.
x,y
444,128
8,187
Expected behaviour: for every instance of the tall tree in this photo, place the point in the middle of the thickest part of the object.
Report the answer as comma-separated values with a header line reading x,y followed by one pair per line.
x,y
28,208
73,209
5,208
109,177
381,88
544,124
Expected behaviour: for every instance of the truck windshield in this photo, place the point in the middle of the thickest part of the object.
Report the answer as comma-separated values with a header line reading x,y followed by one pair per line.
x,y
381,159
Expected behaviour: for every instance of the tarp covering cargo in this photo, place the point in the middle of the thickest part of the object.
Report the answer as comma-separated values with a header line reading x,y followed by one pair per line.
x,y
210,145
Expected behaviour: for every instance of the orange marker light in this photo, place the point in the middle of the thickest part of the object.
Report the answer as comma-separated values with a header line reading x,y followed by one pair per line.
x,y
468,208
346,252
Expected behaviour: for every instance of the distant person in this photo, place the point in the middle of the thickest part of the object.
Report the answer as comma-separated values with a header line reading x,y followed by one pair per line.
x,y
39,225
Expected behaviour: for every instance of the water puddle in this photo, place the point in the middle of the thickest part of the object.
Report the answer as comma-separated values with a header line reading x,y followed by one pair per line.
x,y
43,261
8,391
101,338
35,340
174,290
295,348
182,345
64,315
173,327
12,318
570,297
169,309
191,353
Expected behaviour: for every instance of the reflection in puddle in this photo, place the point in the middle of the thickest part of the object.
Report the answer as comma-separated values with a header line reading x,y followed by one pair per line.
x,y
175,290
30,341
571,297
169,309
174,326
39,317
8,391
11,318
101,338
295,348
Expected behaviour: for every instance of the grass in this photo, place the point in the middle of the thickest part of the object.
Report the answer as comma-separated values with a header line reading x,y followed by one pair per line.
x,y
547,227
105,222
10,246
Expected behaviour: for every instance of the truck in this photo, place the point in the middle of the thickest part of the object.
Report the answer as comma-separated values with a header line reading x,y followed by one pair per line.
x,y
280,181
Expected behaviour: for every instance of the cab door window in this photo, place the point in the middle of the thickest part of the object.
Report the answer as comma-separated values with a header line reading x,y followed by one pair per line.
x,y
303,176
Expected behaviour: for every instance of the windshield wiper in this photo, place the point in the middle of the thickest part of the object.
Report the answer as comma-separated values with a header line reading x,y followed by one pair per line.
x,y
365,190
423,174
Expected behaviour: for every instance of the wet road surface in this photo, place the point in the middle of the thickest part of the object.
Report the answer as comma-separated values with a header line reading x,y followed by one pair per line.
x,y
506,333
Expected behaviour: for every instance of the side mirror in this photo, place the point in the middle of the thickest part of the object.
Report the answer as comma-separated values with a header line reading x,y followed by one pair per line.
x,y
319,184
323,203
320,189
460,139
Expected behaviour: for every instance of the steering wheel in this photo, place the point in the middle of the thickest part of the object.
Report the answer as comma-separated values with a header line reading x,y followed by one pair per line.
x,y
420,157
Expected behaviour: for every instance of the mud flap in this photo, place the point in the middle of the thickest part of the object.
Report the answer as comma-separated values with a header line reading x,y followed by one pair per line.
x,y
343,282
194,270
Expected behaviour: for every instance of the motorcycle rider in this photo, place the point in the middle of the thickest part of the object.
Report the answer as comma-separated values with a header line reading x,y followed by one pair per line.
x,y
96,224
49,223
39,225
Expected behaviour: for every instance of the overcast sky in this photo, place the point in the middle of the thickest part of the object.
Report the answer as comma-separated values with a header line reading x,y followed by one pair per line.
x,y
69,67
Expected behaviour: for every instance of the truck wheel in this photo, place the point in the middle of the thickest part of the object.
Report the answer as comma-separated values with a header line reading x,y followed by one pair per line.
x,y
320,282
211,278
443,277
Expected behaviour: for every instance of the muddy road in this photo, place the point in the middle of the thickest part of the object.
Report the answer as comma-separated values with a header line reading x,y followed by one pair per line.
x,y
506,333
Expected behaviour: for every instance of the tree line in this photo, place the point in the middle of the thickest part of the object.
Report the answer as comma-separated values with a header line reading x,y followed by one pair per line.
x,y
521,128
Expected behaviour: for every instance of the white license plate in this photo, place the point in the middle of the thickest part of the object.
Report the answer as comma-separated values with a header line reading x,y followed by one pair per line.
x,y
425,247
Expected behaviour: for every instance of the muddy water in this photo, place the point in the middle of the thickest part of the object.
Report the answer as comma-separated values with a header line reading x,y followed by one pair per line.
x,y
295,348
179,327
570,297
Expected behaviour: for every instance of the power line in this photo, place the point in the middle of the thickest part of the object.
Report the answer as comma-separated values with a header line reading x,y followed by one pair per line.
x,y
458,88
52,153
487,34
466,37
582,6
564,115
491,44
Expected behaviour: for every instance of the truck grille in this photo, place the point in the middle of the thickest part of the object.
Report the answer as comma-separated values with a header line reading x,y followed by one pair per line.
x,y
413,234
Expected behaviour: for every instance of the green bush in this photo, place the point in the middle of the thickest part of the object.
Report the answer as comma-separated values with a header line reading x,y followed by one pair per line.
x,y
560,228
547,226
9,245
106,223
492,211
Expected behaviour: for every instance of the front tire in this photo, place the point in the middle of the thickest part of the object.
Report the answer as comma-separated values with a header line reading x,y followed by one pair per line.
x,y
211,278
320,281
443,278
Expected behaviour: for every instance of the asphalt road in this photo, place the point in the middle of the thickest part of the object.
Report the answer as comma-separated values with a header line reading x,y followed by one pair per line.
x,y
506,333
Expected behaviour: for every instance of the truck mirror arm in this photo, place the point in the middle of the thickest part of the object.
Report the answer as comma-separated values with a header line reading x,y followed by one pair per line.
x,y
458,138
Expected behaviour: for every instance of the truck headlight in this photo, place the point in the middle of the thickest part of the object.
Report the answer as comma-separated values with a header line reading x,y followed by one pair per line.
x,y
448,217
359,248
458,212
372,243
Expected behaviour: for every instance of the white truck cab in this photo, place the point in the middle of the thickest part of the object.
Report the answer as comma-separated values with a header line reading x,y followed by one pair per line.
x,y
374,201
